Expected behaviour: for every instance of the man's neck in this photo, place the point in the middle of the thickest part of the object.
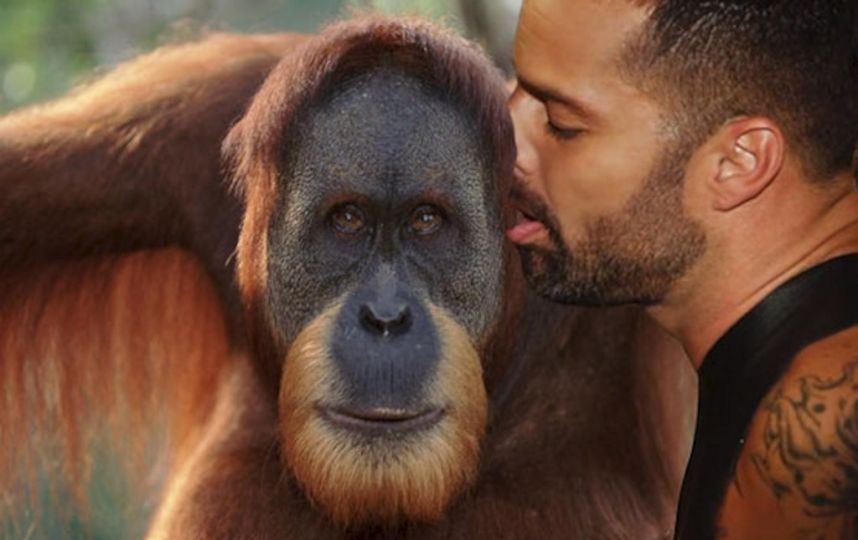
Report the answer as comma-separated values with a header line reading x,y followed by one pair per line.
x,y
753,257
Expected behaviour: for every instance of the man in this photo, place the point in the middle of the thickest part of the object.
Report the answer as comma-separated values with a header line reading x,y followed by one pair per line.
x,y
696,157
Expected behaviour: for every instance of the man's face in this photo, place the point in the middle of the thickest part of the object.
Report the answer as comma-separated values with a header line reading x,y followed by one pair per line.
x,y
599,173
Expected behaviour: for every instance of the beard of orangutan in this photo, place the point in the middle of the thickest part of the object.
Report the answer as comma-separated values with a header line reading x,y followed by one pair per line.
x,y
632,256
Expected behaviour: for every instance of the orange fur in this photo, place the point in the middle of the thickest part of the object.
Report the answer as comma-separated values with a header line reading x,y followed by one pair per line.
x,y
94,344
129,102
125,348
119,343
358,483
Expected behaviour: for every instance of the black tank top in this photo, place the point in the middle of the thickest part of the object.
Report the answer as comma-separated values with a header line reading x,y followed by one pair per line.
x,y
743,366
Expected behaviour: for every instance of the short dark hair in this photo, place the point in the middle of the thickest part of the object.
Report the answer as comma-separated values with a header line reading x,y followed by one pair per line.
x,y
794,61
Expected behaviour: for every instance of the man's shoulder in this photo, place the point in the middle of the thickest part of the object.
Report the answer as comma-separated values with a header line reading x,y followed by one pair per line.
x,y
797,475
828,356
807,448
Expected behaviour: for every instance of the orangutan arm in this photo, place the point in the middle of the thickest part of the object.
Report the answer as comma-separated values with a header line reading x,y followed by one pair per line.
x,y
131,160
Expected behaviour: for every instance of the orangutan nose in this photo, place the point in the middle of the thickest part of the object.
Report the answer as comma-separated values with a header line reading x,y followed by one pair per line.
x,y
386,318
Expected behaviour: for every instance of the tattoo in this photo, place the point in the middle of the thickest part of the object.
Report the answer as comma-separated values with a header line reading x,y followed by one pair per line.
x,y
811,448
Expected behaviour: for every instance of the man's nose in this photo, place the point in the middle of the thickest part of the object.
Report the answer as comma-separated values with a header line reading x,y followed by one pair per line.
x,y
525,112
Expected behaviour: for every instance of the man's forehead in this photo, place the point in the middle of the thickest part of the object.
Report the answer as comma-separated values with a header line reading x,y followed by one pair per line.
x,y
572,47
575,35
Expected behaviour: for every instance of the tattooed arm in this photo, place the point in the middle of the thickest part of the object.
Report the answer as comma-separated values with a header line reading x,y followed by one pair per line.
x,y
797,476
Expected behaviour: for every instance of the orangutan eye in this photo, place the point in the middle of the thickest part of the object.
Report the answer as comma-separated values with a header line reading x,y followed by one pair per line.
x,y
348,219
426,220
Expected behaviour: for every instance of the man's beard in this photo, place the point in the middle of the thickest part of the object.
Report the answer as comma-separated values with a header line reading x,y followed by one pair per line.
x,y
633,256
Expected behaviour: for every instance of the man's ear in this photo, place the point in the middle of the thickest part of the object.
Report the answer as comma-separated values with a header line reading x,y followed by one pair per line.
x,y
750,153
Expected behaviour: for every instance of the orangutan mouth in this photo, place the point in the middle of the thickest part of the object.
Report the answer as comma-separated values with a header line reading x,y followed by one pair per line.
x,y
380,421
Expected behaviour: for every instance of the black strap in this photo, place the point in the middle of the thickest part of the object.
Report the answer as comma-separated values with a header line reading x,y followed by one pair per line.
x,y
743,366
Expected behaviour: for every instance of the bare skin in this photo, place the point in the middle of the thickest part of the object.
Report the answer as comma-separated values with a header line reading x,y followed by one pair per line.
x,y
589,141
794,474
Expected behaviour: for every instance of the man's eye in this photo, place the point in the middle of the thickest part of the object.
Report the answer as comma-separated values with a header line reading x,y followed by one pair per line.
x,y
348,219
563,134
426,220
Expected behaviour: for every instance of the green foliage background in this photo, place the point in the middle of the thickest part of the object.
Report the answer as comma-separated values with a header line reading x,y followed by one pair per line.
x,y
47,46
46,39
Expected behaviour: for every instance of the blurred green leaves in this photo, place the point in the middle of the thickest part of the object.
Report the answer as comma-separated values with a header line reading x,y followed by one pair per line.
x,y
433,9
46,46
43,44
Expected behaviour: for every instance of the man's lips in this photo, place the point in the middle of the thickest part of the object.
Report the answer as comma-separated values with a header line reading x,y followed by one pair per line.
x,y
531,219
527,230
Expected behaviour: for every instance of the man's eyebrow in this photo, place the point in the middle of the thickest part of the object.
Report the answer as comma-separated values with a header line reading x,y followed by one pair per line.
x,y
545,95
